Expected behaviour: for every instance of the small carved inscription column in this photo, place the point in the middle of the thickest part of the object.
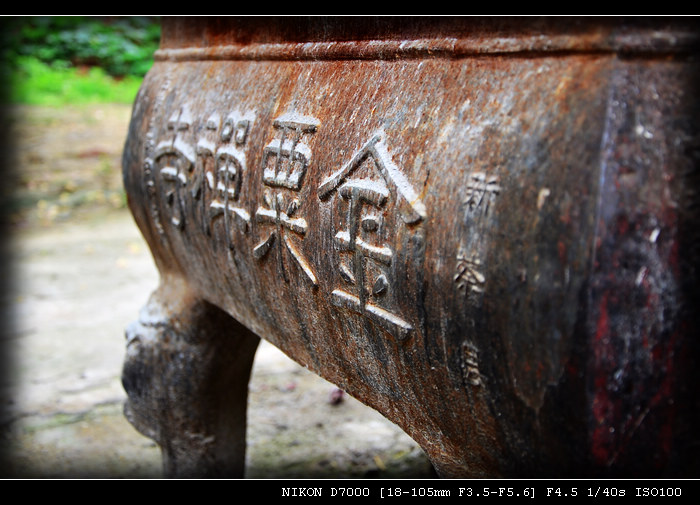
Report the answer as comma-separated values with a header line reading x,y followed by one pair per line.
x,y
481,192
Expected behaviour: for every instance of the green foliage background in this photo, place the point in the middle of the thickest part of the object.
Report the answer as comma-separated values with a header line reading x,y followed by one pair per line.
x,y
71,60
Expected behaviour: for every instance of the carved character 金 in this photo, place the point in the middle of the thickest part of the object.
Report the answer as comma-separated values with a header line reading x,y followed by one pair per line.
x,y
362,194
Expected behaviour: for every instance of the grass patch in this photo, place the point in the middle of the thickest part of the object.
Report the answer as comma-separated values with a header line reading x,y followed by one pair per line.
x,y
59,60
33,82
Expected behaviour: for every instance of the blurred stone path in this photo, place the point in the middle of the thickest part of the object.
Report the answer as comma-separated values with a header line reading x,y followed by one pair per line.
x,y
78,284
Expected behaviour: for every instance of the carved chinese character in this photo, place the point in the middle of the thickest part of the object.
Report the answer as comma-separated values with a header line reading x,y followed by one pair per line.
x,y
470,365
285,161
469,276
481,191
204,172
222,164
366,265
176,157
150,172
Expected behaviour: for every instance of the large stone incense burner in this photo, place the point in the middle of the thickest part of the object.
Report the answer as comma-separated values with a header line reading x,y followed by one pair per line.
x,y
485,229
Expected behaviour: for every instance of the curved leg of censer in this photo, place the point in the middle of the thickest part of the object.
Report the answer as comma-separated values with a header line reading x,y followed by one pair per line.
x,y
186,374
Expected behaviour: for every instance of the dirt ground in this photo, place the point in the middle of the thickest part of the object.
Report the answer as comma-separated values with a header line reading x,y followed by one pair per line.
x,y
79,275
